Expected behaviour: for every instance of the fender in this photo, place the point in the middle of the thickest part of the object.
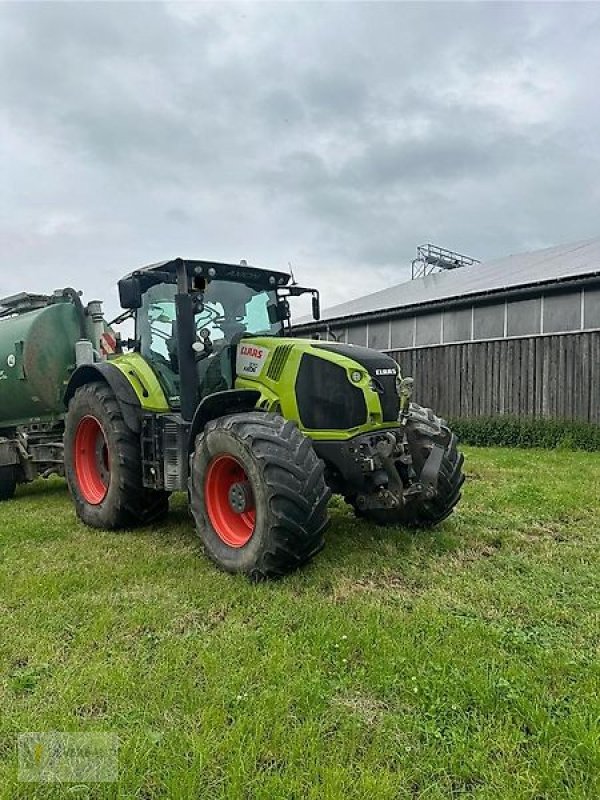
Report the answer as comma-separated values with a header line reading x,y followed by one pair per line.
x,y
231,401
124,392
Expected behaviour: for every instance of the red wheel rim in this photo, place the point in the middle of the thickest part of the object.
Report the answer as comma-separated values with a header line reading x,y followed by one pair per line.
x,y
225,475
92,463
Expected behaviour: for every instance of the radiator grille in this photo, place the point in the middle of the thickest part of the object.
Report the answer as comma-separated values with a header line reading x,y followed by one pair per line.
x,y
326,398
278,361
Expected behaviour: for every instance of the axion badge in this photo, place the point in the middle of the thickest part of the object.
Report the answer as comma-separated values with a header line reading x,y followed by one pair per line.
x,y
250,359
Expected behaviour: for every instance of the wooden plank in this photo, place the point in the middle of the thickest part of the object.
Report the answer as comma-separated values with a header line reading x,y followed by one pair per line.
x,y
592,388
464,389
573,382
492,391
515,379
531,387
480,376
545,383
448,362
501,368
558,351
526,387
499,356
539,377
508,377
583,410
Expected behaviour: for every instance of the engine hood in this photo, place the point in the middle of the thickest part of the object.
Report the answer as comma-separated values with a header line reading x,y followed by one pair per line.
x,y
313,379
377,364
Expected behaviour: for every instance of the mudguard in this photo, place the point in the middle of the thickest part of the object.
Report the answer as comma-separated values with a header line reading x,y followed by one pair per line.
x,y
124,392
219,404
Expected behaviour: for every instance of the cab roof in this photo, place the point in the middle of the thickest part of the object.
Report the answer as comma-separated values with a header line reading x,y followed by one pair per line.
x,y
166,271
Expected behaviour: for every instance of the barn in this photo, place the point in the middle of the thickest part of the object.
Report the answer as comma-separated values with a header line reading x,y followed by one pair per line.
x,y
519,335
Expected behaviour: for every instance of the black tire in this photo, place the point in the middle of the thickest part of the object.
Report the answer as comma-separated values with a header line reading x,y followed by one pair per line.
x,y
423,512
126,502
8,483
286,492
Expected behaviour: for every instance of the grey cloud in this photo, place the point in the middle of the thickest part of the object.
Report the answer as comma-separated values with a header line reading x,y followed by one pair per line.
x,y
334,136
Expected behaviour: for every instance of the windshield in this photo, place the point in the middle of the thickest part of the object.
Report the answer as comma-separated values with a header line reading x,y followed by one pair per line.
x,y
228,310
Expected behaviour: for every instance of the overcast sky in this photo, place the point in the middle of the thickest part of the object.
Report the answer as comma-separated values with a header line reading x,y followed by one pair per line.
x,y
336,137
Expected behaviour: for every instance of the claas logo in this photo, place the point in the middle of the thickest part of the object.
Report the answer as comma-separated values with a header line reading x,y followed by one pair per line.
x,y
249,350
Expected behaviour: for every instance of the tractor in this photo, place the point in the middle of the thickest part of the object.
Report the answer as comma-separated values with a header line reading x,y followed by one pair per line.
x,y
215,397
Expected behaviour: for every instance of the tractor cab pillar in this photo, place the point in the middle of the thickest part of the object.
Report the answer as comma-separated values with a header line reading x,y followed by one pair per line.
x,y
186,338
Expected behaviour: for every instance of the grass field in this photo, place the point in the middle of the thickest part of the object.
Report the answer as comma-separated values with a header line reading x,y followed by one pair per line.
x,y
461,662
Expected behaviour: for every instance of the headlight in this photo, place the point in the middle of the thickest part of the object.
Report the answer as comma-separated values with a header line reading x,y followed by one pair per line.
x,y
356,376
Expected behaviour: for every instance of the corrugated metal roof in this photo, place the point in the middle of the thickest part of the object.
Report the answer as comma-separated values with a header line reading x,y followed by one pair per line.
x,y
525,269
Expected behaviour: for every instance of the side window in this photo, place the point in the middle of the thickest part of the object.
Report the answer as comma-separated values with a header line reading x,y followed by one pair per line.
x,y
257,317
161,331
161,317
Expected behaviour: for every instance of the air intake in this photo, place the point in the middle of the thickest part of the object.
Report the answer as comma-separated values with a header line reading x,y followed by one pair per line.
x,y
278,361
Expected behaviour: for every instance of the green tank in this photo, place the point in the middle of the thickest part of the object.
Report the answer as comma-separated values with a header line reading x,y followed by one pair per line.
x,y
43,338
39,338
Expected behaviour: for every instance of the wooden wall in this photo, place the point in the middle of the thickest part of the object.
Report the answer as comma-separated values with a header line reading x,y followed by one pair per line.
x,y
543,376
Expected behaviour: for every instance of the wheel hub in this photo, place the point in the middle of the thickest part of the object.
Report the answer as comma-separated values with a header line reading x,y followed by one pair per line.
x,y
91,460
240,497
229,500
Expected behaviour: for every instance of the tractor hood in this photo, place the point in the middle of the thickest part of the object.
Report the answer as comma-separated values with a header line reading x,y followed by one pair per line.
x,y
334,386
377,364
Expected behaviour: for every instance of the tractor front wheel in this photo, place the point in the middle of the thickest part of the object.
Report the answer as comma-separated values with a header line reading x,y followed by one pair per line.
x,y
103,463
424,511
258,495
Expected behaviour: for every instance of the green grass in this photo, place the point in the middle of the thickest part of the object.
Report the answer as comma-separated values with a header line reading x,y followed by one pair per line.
x,y
461,662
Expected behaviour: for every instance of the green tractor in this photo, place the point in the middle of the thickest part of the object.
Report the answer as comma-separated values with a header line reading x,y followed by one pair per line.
x,y
216,398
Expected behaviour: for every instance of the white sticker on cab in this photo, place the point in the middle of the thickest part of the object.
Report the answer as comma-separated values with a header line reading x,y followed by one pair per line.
x,y
250,359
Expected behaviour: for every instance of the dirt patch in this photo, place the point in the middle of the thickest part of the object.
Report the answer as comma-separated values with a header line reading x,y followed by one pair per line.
x,y
368,708
195,620
95,710
386,584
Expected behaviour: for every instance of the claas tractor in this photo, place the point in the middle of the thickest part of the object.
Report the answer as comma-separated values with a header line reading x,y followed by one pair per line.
x,y
215,397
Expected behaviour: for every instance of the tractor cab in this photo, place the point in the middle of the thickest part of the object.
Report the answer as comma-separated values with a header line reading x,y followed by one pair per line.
x,y
191,315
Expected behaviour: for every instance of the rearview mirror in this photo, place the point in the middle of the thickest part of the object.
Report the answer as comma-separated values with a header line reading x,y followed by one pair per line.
x,y
279,312
130,292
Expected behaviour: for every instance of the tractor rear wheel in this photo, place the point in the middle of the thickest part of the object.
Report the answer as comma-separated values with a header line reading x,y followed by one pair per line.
x,y
258,495
8,482
103,463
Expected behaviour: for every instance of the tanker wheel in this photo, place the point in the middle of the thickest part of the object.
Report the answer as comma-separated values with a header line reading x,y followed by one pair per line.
x,y
258,495
103,463
8,482
422,512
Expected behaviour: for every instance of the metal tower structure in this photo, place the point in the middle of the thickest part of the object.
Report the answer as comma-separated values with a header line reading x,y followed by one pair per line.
x,y
431,258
